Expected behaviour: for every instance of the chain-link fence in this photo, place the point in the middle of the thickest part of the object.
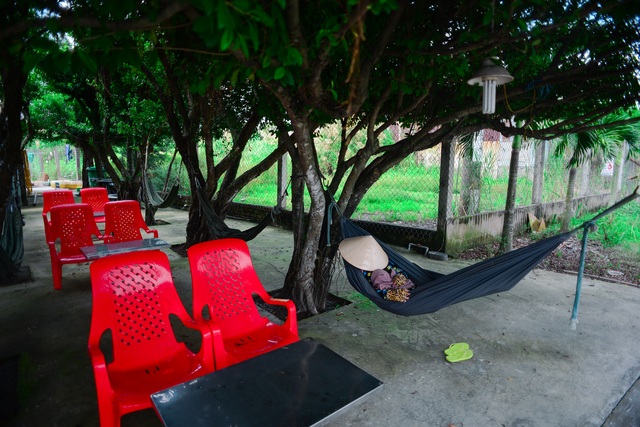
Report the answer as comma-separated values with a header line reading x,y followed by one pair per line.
x,y
481,177
409,192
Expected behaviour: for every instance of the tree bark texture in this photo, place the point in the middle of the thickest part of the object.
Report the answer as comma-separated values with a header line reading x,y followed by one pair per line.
x,y
13,82
506,242
538,175
568,201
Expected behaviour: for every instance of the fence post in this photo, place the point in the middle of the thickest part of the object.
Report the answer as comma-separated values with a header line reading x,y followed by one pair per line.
x,y
445,209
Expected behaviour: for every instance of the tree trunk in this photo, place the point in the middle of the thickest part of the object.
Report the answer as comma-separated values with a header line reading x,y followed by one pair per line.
x,y
56,158
538,176
585,172
471,177
289,287
13,81
568,201
618,173
447,164
41,162
78,166
300,277
506,242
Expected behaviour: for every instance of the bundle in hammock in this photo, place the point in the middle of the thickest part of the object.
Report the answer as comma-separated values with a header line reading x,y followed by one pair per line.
x,y
220,230
434,291
154,198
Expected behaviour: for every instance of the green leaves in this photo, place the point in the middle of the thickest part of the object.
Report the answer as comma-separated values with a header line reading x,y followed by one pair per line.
x,y
87,61
279,73
226,40
225,20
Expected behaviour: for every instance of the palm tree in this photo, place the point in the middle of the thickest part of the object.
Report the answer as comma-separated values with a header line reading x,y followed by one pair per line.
x,y
601,139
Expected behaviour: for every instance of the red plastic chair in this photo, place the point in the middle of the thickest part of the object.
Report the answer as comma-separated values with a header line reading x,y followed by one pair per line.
x,y
73,226
50,199
96,197
133,298
123,222
224,281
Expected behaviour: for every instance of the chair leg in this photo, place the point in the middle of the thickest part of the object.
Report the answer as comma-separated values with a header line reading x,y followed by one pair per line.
x,y
56,272
109,417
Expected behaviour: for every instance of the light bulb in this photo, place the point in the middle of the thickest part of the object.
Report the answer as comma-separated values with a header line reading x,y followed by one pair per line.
x,y
488,96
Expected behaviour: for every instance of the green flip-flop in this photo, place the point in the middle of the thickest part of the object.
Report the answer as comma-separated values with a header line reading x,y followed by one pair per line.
x,y
460,356
456,348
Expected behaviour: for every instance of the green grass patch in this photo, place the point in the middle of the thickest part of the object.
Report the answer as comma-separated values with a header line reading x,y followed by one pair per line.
x,y
620,228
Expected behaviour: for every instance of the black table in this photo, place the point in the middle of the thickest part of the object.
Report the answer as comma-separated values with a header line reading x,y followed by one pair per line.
x,y
106,249
303,384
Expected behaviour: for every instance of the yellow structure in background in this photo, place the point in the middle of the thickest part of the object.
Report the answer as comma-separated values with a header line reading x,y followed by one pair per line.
x,y
27,172
65,184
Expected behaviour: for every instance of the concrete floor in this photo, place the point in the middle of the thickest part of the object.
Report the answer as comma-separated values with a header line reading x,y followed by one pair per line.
x,y
529,367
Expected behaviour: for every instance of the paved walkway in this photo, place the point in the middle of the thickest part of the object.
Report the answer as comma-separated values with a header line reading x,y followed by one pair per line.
x,y
529,368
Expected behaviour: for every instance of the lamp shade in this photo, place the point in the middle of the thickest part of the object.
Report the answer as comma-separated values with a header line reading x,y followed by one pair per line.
x,y
489,76
490,71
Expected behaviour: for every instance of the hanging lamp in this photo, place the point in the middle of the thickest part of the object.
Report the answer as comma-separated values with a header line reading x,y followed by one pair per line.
x,y
490,75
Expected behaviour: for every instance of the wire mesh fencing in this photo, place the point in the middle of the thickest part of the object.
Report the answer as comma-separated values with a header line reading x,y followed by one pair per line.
x,y
408,194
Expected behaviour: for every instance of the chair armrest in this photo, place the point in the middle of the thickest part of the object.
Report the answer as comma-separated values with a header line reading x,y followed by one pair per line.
x,y
152,231
212,343
100,371
292,319
52,249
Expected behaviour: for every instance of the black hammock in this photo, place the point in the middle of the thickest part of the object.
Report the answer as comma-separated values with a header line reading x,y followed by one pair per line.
x,y
154,198
434,291
220,230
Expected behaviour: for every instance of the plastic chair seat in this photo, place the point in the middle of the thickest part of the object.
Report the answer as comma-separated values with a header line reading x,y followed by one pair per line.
x,y
71,258
131,383
260,340
224,283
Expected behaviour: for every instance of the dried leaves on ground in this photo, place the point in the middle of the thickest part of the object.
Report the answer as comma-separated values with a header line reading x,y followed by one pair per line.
x,y
608,264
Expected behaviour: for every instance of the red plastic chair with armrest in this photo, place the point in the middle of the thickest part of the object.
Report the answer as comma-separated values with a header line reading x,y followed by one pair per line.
x,y
123,222
72,226
133,298
224,283
54,198
96,197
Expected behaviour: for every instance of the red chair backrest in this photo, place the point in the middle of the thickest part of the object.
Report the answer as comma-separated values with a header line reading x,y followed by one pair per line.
x,y
123,221
96,197
73,225
55,198
133,296
224,279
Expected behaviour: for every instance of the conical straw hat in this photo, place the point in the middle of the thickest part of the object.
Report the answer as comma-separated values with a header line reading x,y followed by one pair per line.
x,y
363,252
